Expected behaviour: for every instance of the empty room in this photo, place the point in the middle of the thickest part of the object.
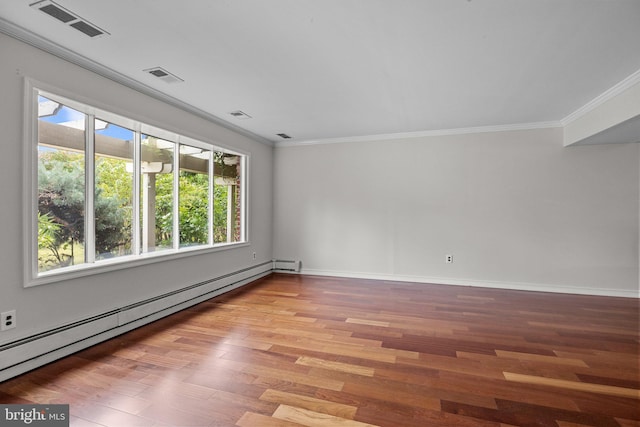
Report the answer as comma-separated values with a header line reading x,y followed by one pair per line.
x,y
320,213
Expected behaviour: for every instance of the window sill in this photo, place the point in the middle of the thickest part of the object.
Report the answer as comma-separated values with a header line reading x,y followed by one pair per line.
x,y
124,262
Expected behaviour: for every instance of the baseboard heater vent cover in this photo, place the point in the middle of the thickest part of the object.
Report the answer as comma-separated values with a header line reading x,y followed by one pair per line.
x,y
286,265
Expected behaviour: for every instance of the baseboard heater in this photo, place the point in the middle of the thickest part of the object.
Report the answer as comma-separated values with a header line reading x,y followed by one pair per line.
x,y
39,349
286,265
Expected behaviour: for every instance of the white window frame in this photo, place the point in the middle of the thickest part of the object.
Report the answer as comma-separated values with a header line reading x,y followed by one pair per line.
x,y
32,277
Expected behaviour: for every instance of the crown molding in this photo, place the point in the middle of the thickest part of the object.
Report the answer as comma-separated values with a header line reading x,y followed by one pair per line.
x,y
612,92
23,35
420,134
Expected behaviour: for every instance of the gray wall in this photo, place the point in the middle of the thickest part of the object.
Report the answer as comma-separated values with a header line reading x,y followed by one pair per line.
x,y
516,209
43,307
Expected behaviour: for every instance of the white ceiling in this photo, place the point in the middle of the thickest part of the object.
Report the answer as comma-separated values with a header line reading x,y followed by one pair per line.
x,y
348,68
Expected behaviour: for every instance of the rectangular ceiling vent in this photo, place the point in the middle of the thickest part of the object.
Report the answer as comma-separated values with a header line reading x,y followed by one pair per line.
x,y
65,16
163,75
240,115
284,136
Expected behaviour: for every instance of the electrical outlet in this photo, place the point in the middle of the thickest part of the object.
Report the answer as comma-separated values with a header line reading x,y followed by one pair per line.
x,y
254,255
7,320
448,259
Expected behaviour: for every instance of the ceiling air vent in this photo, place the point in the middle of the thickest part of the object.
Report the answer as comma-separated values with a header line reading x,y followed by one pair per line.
x,y
58,13
240,115
65,16
89,30
284,136
163,75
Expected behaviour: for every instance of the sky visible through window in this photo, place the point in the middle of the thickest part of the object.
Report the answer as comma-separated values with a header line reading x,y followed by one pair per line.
x,y
116,132
72,118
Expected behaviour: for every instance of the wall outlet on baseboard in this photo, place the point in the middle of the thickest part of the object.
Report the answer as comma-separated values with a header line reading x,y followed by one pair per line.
x,y
7,320
448,259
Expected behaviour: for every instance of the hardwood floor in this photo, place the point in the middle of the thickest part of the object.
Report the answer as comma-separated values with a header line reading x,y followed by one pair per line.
x,y
294,350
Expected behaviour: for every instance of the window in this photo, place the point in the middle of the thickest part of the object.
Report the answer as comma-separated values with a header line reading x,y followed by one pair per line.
x,y
113,194
61,185
157,195
193,208
110,190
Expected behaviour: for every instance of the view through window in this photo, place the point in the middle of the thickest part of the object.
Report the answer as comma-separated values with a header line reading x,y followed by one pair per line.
x,y
108,191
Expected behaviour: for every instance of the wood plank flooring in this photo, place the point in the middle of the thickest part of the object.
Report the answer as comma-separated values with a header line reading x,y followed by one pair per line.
x,y
293,350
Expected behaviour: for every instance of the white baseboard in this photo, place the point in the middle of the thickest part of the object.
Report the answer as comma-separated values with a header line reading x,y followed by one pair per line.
x,y
31,352
536,287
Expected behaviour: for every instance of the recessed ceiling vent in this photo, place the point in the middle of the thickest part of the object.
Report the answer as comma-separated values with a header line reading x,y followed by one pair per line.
x,y
163,75
240,115
284,136
65,16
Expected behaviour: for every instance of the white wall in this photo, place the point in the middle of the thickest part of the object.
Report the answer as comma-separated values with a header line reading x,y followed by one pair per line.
x,y
515,209
43,307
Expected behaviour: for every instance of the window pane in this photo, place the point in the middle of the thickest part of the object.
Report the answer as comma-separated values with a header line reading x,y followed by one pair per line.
x,y
113,202
156,199
227,198
61,185
194,196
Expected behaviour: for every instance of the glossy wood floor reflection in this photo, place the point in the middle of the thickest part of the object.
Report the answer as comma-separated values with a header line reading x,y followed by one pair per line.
x,y
309,351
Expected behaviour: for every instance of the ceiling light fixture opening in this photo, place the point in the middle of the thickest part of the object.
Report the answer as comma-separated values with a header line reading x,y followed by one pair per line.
x,y
69,18
284,136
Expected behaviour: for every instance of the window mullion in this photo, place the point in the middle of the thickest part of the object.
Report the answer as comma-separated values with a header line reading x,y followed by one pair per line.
x,y
33,180
211,206
89,218
176,197
135,220
244,197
